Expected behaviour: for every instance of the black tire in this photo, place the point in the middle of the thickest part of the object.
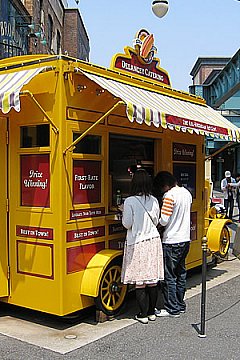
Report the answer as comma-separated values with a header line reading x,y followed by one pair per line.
x,y
112,292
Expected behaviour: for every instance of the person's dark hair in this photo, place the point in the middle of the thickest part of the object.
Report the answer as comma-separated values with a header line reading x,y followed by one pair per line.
x,y
161,179
141,183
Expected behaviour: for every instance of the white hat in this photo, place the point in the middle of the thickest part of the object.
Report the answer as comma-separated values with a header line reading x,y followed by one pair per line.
x,y
227,173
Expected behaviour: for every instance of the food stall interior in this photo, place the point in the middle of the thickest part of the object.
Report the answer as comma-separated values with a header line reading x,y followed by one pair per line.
x,y
127,154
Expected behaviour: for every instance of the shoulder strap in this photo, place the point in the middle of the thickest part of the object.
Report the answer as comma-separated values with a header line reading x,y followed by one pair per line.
x,y
145,210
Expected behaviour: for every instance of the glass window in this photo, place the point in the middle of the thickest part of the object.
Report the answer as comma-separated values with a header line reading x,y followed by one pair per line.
x,y
58,42
50,31
34,136
90,144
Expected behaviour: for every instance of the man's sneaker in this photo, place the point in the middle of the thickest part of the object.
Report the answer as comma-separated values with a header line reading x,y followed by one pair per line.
x,y
164,313
152,317
143,320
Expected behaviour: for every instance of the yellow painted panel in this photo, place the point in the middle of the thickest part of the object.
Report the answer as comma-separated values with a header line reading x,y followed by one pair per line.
x,y
35,259
3,209
92,275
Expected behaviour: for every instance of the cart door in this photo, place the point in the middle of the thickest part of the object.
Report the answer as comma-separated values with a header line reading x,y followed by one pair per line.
x,y
3,208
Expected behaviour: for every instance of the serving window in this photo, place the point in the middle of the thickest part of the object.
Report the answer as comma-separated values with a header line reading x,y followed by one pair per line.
x,y
126,155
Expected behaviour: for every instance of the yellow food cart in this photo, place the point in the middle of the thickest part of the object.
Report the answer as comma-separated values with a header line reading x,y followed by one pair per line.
x,y
70,134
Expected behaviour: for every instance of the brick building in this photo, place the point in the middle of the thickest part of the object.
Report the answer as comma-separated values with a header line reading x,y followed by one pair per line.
x,y
76,41
43,26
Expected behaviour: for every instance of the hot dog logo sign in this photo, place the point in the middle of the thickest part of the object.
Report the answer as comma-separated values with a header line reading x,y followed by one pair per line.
x,y
141,60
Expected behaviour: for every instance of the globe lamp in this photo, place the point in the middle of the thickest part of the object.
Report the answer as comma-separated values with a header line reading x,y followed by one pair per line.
x,y
160,7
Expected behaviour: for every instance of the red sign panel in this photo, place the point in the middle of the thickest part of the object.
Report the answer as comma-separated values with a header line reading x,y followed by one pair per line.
x,y
133,65
86,213
193,124
35,180
193,231
184,152
83,234
79,256
34,232
86,182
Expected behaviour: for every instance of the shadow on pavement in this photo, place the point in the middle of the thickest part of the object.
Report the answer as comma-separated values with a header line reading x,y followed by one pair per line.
x,y
88,316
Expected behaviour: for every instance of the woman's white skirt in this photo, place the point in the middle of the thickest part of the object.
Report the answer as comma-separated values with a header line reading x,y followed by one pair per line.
x,y
143,262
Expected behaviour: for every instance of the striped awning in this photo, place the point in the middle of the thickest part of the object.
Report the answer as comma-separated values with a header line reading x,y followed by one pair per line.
x,y
11,85
145,106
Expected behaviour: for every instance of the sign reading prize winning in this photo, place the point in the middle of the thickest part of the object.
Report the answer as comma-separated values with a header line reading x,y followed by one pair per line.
x,y
184,152
35,180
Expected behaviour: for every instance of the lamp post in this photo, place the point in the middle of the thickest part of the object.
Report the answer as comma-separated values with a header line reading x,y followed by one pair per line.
x,y
202,333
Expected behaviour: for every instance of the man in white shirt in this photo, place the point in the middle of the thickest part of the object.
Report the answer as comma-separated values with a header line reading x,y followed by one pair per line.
x,y
175,217
229,193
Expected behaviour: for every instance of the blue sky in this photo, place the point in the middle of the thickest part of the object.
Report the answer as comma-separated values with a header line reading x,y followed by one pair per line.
x,y
191,28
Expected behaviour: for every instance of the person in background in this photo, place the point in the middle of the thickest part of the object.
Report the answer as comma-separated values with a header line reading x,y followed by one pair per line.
x,y
143,258
175,217
238,195
236,185
229,193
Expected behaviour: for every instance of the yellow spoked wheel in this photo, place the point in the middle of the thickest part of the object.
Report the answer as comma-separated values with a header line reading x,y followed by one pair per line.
x,y
224,242
112,292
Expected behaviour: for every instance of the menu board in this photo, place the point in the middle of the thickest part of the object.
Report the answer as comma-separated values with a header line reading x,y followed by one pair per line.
x,y
184,152
86,181
35,180
193,228
186,176
184,165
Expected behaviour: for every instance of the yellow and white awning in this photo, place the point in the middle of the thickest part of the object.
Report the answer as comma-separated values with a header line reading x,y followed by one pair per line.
x,y
11,85
161,110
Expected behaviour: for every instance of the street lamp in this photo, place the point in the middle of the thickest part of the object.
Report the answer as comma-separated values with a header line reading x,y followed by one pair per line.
x,y
160,7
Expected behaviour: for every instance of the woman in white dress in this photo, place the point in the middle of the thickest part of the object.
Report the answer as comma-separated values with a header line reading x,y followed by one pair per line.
x,y
143,258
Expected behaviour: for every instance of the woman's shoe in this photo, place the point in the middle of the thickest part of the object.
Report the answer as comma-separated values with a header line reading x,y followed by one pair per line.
x,y
152,317
143,320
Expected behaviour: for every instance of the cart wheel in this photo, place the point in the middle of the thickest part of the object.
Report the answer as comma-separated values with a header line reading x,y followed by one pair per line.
x,y
224,242
112,292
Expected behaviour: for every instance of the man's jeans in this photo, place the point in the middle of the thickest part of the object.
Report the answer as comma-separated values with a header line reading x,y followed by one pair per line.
x,y
174,285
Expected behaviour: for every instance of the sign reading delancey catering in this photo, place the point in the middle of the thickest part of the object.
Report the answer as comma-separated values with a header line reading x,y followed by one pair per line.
x,y
140,60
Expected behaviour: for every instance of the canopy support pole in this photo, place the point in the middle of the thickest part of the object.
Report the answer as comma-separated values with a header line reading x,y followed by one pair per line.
x,y
72,145
219,150
27,92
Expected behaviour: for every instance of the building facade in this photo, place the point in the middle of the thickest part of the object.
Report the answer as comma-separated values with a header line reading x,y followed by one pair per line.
x,y
41,26
217,80
14,20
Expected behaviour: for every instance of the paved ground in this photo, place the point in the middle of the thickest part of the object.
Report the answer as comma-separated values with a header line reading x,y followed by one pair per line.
x,y
32,335
28,334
